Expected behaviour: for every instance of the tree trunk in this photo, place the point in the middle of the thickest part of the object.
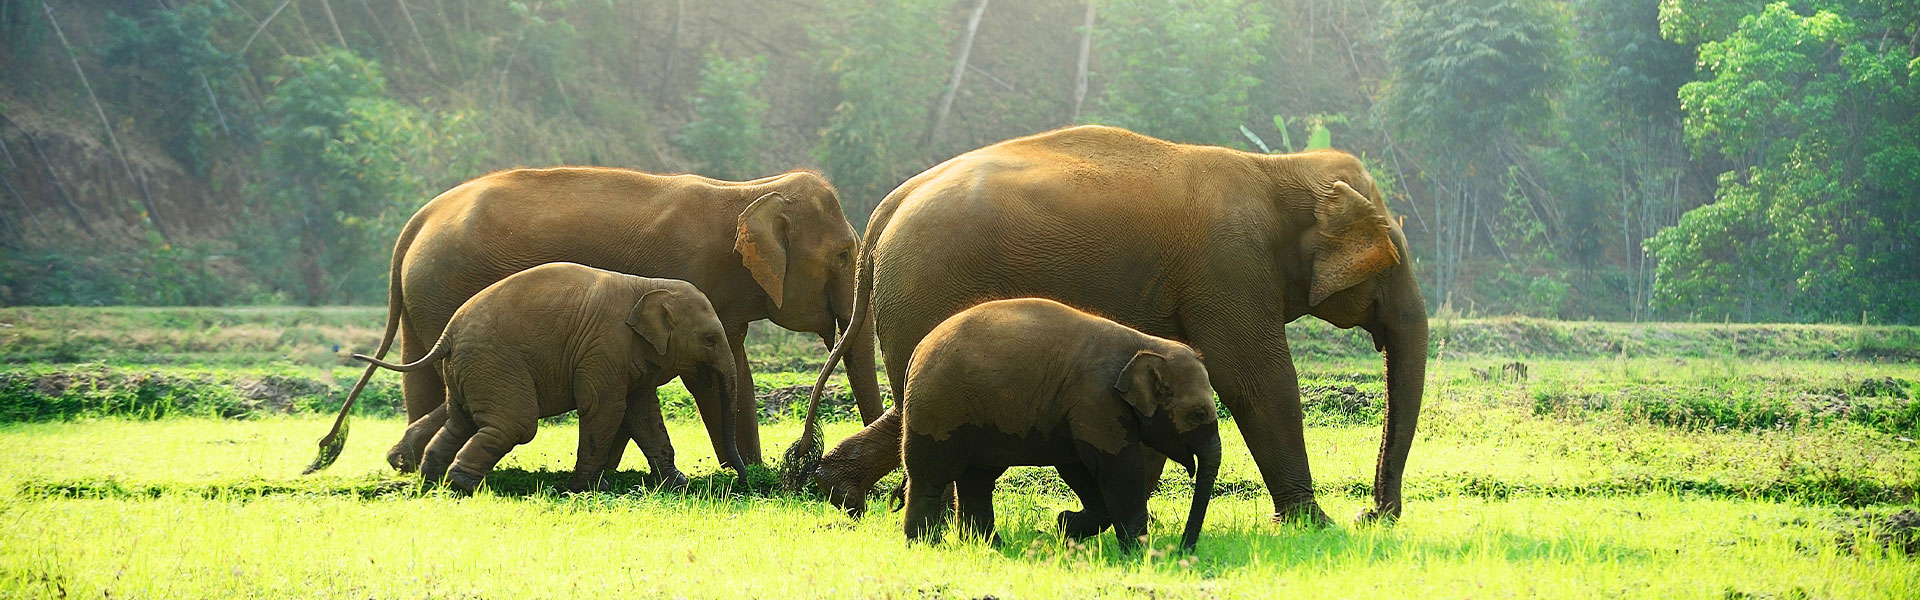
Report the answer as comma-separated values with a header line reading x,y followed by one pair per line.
x,y
1080,70
959,71
673,48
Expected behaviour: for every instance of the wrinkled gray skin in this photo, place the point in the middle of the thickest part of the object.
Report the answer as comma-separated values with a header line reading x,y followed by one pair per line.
x,y
1210,246
562,337
1034,382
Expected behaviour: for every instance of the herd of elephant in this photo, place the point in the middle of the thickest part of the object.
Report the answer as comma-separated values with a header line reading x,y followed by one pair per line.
x,y
1075,298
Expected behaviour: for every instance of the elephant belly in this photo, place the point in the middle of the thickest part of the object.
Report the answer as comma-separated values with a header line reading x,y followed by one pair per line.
x,y
989,447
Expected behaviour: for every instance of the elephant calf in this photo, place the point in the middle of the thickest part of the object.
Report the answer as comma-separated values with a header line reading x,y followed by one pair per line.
x,y
1034,382
560,337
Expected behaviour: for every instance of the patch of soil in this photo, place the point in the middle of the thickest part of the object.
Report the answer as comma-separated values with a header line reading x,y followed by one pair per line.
x,y
793,400
1343,399
276,393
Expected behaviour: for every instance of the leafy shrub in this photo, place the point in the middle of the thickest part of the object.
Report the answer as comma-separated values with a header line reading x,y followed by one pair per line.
x,y
886,64
157,275
726,131
1178,69
342,164
175,50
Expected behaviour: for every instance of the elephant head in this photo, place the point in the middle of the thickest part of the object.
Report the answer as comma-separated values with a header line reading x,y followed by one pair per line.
x,y
800,248
1170,394
678,333
1356,274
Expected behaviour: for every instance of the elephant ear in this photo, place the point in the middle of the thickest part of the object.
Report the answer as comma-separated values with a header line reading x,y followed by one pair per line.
x,y
1139,381
652,318
762,243
1353,244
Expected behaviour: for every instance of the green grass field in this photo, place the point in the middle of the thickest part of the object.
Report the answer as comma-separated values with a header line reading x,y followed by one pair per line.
x,y
155,452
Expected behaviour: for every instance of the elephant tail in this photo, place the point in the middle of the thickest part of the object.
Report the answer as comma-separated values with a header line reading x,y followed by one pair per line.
x,y
336,439
438,352
803,456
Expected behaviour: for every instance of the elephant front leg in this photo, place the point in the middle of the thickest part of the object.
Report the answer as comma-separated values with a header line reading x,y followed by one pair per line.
x,y
746,407
1123,488
1253,372
603,410
648,429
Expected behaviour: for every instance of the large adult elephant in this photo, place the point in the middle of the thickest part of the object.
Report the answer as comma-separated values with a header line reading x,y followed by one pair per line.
x,y
773,248
1210,246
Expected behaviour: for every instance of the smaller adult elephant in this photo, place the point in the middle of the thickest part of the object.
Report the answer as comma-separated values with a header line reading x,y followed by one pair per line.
x,y
1034,382
561,337
777,248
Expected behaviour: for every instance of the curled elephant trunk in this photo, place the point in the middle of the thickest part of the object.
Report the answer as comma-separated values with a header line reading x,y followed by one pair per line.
x,y
1207,458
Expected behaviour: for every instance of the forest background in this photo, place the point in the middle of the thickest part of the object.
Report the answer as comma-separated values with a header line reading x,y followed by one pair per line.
x,y
1583,159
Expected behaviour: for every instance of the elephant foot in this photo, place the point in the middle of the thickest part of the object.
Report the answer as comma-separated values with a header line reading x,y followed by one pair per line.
x,y
403,458
1081,525
465,482
1303,513
672,480
586,483
1382,513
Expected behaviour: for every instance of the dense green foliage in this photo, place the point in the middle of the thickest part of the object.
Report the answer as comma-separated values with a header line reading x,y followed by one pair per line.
x,y
1181,70
886,65
726,131
1630,159
342,163
1819,116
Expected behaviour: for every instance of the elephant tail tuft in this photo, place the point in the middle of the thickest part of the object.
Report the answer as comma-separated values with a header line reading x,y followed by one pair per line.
x,y
801,459
330,447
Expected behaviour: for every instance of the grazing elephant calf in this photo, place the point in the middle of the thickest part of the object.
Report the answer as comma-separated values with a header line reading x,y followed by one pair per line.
x,y
560,337
1034,382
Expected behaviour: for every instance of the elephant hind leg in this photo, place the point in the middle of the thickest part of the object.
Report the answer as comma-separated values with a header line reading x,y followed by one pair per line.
x,y
974,500
932,469
424,391
1092,518
504,417
446,441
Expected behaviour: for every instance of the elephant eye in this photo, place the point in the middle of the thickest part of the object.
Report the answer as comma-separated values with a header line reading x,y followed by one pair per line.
x,y
713,340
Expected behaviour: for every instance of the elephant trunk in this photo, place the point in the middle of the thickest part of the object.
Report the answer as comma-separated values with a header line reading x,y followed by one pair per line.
x,y
1207,456
1404,338
727,426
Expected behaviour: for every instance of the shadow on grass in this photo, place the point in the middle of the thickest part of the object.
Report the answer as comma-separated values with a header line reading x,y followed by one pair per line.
x,y
764,482
508,482
1301,546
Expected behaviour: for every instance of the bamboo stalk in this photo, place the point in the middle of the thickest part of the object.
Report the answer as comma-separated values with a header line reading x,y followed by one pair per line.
x,y
24,209
327,7
263,27
416,36
959,72
58,186
152,214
